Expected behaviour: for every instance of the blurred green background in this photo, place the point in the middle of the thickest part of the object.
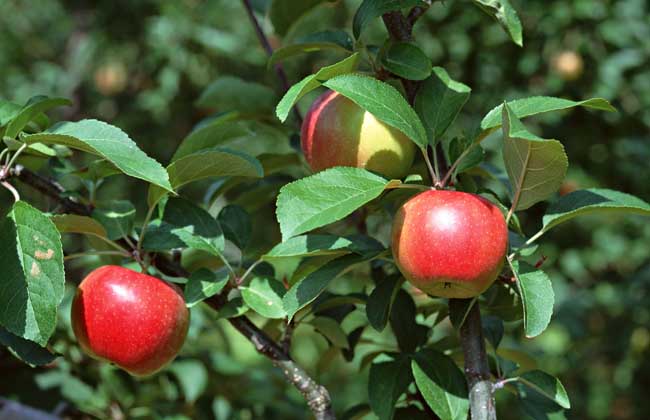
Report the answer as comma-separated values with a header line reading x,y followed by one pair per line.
x,y
143,65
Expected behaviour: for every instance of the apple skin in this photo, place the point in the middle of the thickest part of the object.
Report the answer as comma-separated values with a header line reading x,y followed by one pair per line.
x,y
134,320
338,132
449,244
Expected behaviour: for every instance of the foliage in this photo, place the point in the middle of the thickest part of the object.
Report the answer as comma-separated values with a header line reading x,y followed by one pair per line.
x,y
305,254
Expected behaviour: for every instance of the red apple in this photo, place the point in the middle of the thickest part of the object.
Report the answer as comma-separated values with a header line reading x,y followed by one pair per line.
x,y
449,244
134,320
338,132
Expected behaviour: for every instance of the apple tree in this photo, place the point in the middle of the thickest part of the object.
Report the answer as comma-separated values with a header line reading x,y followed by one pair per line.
x,y
370,189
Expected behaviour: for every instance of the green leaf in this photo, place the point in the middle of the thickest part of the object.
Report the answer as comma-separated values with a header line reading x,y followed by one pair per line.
x,y
442,384
589,201
248,136
109,142
383,101
456,146
25,350
312,245
387,381
438,102
230,92
381,300
285,12
408,332
304,291
236,224
319,41
539,105
406,60
264,296
535,166
312,82
331,330
192,375
547,385
185,224
506,15
34,107
204,284
204,164
537,297
324,198
372,9
233,308
72,223
117,217
33,275
492,329
8,110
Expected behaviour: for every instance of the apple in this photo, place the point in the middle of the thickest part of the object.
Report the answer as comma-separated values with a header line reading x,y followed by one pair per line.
x,y
449,243
338,132
132,319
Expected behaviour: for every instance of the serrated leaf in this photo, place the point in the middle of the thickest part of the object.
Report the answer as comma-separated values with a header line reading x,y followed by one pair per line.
x,y
538,105
547,385
234,93
203,284
312,82
331,330
372,9
109,142
32,108
381,300
25,350
324,198
535,166
406,60
387,381
264,296
208,163
116,216
72,223
312,245
33,276
442,384
506,15
590,201
536,295
438,102
236,224
319,41
184,224
383,101
303,292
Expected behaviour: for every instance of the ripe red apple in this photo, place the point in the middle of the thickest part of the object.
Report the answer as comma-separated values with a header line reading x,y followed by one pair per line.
x,y
338,132
134,320
449,244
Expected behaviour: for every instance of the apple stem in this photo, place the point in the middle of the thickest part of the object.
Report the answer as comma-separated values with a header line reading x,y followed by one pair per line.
x,y
11,189
477,370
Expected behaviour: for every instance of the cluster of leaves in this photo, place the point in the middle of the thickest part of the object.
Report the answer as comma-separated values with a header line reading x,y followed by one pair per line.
x,y
295,280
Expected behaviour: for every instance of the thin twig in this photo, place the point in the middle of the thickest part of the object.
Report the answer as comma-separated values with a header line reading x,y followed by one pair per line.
x,y
48,188
279,70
